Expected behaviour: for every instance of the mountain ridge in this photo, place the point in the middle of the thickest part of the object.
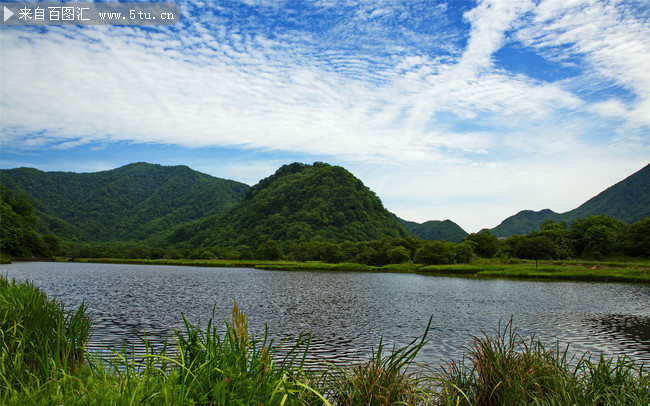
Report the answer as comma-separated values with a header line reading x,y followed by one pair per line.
x,y
128,203
627,200
433,230
147,202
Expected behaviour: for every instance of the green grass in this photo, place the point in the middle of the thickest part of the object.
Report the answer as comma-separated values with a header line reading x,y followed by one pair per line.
x,y
575,273
510,369
38,338
385,379
637,272
44,363
632,271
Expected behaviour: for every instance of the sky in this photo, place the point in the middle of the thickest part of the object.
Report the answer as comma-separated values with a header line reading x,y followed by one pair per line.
x,y
461,110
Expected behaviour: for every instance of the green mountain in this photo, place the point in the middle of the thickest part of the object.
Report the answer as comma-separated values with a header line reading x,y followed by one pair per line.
x,y
298,203
524,222
130,203
18,228
434,230
628,200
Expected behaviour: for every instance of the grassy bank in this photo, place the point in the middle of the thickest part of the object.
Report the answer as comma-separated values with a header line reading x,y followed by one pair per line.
x,y
565,271
42,361
604,271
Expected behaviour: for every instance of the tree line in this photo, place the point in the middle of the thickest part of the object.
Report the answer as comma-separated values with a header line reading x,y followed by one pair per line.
x,y
594,238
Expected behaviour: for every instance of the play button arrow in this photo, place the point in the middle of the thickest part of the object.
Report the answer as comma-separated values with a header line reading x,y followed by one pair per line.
x,y
8,13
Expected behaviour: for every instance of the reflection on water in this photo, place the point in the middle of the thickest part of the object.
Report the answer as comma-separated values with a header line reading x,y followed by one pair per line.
x,y
632,330
348,312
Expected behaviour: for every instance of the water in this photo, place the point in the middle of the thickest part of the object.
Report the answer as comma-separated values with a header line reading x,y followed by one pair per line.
x,y
348,312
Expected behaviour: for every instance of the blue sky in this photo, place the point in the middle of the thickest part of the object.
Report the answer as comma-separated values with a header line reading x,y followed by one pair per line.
x,y
469,111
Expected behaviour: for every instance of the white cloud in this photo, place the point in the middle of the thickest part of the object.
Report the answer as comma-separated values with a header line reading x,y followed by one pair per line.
x,y
609,37
490,20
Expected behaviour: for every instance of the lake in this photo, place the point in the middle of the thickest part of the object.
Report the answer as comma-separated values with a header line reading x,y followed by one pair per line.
x,y
348,312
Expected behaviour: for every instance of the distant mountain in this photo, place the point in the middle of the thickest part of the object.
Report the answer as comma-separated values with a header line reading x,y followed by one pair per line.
x,y
130,203
628,200
434,230
524,222
298,203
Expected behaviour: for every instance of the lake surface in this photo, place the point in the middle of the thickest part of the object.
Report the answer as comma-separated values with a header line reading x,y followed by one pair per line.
x,y
348,312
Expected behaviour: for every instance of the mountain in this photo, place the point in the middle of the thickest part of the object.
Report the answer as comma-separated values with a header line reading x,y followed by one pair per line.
x,y
298,203
434,230
627,200
129,203
524,222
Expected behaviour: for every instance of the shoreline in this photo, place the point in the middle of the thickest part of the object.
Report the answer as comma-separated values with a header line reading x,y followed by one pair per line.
x,y
580,271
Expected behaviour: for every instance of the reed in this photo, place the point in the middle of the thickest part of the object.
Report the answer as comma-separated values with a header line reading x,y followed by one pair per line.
x,y
385,379
38,337
510,369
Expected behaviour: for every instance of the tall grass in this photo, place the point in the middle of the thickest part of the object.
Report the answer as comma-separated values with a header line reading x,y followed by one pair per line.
x,y
38,338
385,379
510,369
236,367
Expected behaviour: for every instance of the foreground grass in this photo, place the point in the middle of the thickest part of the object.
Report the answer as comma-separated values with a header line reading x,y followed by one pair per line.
x,y
601,271
42,362
510,369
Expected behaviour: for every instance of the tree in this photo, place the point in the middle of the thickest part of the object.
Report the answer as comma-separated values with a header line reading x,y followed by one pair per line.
x,y
207,255
436,253
597,236
368,256
487,244
463,253
18,235
559,234
398,255
536,247
639,238
269,250
509,245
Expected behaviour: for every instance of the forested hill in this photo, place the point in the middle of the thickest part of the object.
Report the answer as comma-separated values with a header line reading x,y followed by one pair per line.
x,y
298,203
627,200
125,204
434,230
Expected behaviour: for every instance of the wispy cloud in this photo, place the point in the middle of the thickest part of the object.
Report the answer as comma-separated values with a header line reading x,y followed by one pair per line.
x,y
613,41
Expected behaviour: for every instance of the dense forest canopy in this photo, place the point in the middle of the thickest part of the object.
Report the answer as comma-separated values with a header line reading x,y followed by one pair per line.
x,y
130,203
296,204
18,235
